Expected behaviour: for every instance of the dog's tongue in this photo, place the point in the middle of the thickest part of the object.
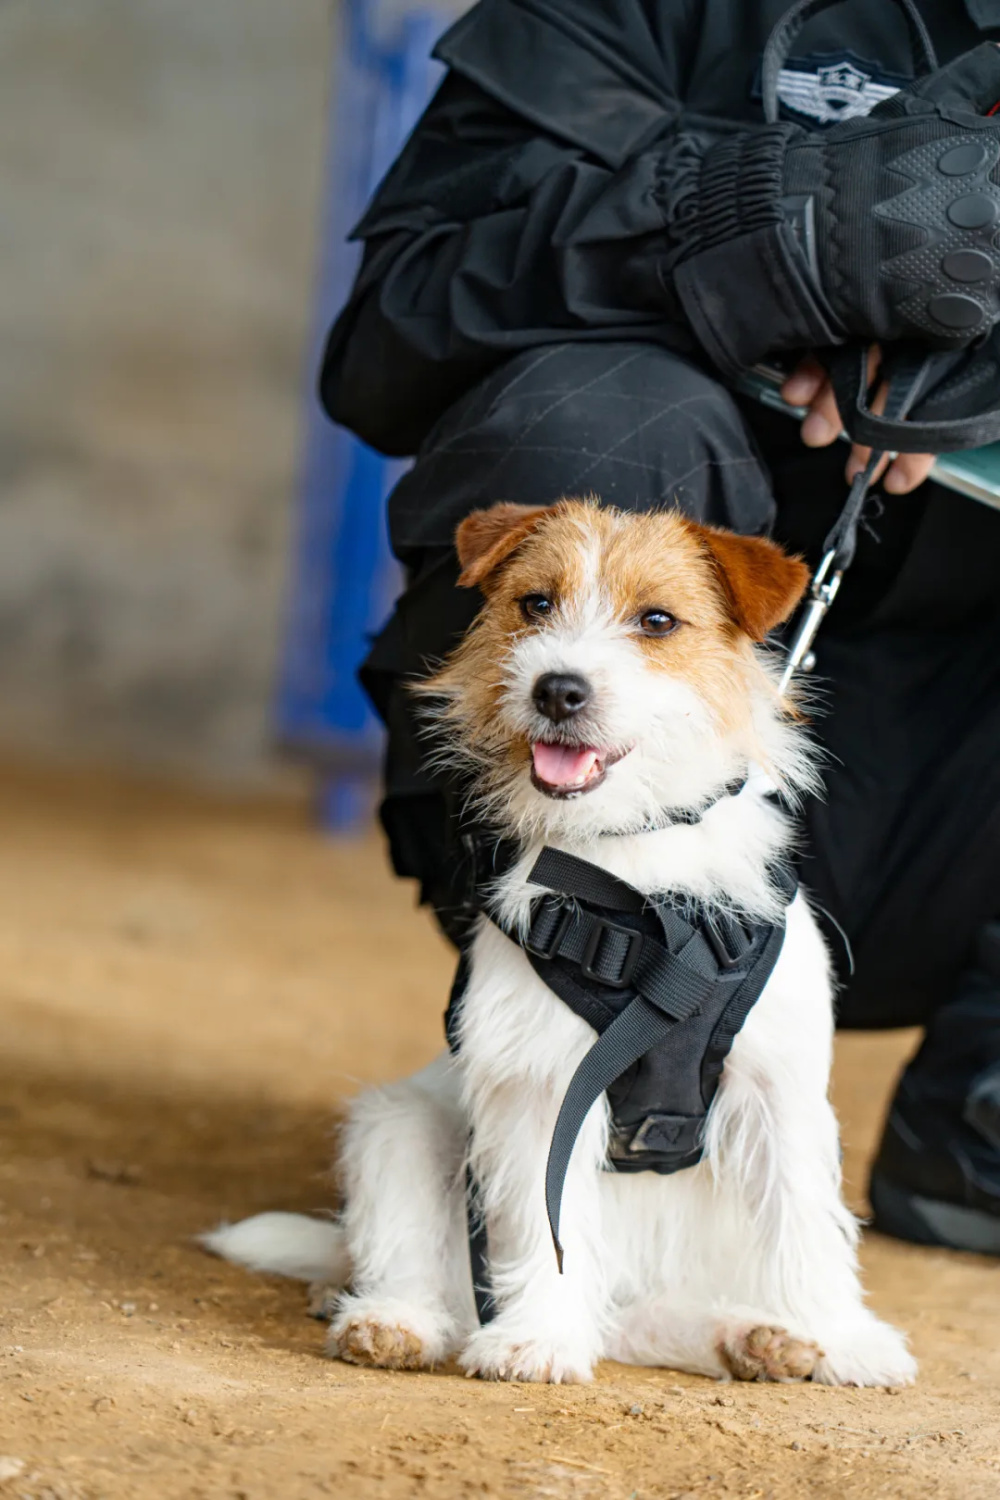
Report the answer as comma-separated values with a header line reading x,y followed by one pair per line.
x,y
563,765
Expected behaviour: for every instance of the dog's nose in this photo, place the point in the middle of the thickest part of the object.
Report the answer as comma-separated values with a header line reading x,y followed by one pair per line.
x,y
560,695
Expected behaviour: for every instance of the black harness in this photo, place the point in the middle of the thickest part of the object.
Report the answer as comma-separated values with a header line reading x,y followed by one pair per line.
x,y
666,983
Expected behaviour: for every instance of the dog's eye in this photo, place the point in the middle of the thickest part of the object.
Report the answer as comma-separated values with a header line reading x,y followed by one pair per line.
x,y
535,606
657,622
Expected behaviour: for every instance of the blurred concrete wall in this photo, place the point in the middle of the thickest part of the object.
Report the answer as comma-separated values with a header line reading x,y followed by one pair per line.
x,y
160,172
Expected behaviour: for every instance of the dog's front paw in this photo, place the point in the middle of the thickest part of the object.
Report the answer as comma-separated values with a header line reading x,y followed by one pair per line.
x,y
759,1352
495,1353
866,1353
389,1334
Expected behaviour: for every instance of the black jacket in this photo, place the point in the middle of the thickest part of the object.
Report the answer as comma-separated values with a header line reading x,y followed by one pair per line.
x,y
541,196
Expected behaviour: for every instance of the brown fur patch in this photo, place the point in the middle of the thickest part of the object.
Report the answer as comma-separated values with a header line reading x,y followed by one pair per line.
x,y
486,537
543,554
761,583
653,560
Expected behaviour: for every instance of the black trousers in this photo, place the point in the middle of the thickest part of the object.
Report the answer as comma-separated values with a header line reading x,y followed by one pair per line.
x,y
904,852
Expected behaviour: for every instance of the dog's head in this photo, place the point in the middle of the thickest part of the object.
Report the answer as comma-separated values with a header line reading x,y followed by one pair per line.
x,y
611,672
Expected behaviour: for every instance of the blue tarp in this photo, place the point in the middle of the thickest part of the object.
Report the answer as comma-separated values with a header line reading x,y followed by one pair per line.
x,y
344,578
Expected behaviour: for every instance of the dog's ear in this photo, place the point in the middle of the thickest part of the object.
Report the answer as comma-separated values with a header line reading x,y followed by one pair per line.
x,y
486,537
762,584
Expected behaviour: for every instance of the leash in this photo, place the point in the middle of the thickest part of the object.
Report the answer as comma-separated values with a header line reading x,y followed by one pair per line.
x,y
908,379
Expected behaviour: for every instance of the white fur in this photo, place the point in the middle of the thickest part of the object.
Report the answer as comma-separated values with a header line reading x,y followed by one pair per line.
x,y
658,1270
286,1244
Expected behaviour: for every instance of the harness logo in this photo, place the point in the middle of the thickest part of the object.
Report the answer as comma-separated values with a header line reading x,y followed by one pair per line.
x,y
830,91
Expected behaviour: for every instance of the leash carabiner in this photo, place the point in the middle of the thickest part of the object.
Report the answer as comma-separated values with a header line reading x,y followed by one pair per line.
x,y
822,592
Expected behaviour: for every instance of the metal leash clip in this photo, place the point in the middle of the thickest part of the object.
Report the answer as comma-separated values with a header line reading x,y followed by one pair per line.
x,y
822,592
838,554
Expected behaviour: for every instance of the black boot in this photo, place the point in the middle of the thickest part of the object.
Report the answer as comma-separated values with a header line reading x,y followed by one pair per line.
x,y
936,1179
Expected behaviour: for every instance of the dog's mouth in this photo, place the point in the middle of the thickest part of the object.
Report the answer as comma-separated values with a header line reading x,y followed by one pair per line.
x,y
570,770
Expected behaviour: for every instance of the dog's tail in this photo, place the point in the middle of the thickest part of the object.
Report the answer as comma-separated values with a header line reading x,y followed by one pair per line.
x,y
286,1245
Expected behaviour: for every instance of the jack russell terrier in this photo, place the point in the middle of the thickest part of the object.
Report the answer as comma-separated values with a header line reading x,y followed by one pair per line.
x,y
646,991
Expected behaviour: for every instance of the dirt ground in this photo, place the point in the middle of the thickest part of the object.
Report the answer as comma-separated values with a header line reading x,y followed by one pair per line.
x,y
187,989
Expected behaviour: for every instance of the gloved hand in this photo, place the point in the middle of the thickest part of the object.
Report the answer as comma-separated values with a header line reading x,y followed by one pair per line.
x,y
809,386
881,229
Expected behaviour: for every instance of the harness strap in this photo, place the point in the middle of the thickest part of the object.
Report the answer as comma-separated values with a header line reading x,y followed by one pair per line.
x,y
669,980
670,985
629,1037
571,876
479,1250
617,956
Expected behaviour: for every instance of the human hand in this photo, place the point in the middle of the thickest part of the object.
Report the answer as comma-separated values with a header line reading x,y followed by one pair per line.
x,y
809,386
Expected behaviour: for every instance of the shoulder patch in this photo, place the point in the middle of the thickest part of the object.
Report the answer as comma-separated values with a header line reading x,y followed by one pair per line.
x,y
828,88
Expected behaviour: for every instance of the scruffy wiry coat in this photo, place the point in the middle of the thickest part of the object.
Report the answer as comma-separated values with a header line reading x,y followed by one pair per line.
x,y
743,1265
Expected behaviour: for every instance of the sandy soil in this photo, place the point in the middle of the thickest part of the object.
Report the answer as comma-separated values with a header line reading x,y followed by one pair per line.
x,y
186,991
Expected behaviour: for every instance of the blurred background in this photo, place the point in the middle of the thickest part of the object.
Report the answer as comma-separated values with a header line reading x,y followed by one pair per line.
x,y
193,970
161,168
194,975
179,590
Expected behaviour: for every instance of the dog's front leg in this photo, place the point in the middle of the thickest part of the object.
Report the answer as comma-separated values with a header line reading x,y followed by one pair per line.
x,y
806,1270
402,1149
774,1141
548,1327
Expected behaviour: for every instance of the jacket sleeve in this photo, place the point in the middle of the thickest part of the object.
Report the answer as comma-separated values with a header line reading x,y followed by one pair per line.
x,y
489,237
546,194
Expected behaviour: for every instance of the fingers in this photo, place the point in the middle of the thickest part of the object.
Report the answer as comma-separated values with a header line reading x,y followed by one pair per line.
x,y
823,425
907,472
808,386
903,472
805,382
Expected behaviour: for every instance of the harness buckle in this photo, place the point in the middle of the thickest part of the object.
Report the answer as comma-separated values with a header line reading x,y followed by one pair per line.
x,y
537,942
600,929
729,941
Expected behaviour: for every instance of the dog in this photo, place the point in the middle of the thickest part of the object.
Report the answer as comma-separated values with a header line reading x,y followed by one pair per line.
x,y
743,1265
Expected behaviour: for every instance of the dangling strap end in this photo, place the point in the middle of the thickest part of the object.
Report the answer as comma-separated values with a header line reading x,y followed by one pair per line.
x,y
553,1200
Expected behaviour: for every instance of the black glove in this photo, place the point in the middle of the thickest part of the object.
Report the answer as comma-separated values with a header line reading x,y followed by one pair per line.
x,y
881,229
956,396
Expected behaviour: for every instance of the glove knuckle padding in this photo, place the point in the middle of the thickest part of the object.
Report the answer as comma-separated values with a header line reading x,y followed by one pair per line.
x,y
908,212
945,283
955,271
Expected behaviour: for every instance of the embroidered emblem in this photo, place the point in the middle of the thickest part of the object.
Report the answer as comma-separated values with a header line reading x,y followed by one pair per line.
x,y
830,91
